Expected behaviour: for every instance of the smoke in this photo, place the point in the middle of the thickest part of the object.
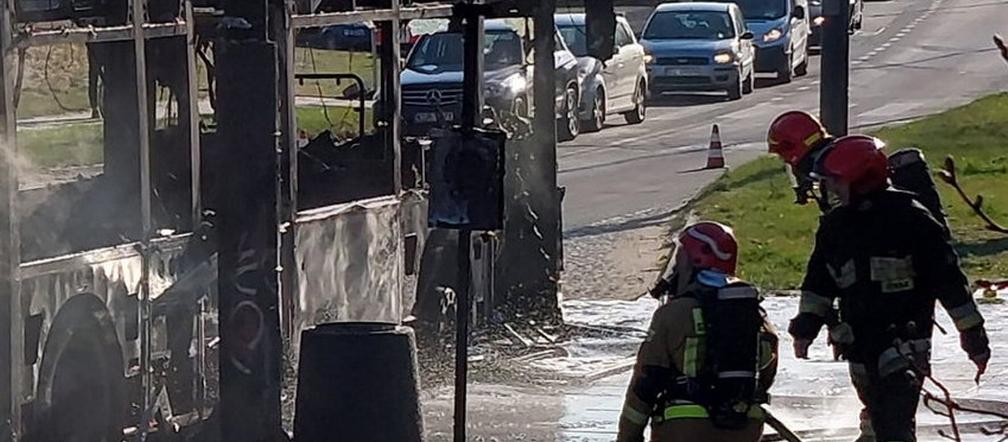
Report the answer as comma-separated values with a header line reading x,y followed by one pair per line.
x,y
18,164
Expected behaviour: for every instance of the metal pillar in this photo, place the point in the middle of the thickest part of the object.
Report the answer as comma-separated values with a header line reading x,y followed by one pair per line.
x,y
195,158
11,341
251,349
389,62
146,229
472,88
531,247
546,141
284,35
835,62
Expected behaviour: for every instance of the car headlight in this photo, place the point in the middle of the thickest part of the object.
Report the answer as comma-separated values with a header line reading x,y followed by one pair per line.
x,y
513,84
773,35
648,58
724,58
818,21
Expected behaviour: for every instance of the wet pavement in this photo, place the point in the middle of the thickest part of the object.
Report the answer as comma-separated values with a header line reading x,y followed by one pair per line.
x,y
808,395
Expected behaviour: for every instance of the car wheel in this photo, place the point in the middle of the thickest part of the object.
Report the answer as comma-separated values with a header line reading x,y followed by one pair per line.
x,y
785,72
636,116
598,113
570,124
735,91
747,85
802,69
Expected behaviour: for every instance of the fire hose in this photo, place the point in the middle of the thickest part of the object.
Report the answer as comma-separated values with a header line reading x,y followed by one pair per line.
x,y
948,402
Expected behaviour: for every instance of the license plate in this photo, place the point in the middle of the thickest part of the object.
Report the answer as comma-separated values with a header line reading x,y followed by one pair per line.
x,y
681,72
432,117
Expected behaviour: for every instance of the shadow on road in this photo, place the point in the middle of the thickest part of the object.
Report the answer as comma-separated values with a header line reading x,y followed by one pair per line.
x,y
912,63
623,224
765,82
685,99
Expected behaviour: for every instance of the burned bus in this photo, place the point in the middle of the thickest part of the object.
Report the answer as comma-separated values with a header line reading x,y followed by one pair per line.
x,y
109,283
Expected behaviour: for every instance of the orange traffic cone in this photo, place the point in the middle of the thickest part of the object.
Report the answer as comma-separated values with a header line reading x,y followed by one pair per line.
x,y
715,156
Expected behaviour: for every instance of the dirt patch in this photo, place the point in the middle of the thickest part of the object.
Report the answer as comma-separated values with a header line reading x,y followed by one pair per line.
x,y
618,265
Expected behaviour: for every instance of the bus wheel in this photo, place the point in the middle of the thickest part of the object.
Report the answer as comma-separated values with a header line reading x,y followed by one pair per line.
x,y
82,390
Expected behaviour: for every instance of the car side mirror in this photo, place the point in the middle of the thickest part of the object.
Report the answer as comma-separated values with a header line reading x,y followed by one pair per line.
x,y
747,35
799,12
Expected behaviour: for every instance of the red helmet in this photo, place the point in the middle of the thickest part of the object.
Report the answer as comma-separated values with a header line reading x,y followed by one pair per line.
x,y
857,160
710,245
793,134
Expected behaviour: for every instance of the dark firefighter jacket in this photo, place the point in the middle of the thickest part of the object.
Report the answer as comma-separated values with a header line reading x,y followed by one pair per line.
x,y
887,260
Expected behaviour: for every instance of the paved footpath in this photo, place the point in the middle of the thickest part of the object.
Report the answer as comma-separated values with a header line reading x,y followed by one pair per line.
x,y
808,395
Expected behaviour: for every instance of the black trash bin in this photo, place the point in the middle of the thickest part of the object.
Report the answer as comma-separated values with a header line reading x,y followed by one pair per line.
x,y
359,383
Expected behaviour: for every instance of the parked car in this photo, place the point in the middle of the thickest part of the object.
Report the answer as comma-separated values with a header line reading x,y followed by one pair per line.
x,y
699,47
100,12
817,19
432,79
781,35
347,37
610,87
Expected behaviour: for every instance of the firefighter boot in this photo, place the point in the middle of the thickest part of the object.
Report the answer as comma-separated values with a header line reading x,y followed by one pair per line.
x,y
867,432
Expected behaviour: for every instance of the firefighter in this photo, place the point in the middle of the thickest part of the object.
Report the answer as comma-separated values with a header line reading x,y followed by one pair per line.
x,y
709,356
886,259
798,138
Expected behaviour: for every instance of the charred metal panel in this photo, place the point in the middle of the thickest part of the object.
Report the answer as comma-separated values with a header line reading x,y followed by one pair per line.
x,y
112,275
415,231
349,264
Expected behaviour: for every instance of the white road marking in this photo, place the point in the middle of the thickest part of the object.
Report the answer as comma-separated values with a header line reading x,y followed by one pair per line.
x,y
886,45
887,112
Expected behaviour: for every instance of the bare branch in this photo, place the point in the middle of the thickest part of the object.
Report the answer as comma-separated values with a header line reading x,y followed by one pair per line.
x,y
948,175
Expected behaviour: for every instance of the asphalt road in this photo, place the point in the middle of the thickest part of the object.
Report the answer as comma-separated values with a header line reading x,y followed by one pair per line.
x,y
911,58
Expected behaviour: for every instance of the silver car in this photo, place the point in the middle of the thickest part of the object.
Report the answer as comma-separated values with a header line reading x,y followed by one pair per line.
x,y
615,86
699,47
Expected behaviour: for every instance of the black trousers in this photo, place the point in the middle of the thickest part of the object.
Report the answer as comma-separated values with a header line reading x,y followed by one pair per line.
x,y
891,401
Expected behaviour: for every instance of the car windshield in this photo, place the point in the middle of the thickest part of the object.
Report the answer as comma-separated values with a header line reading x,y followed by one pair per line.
x,y
699,25
574,35
762,9
444,50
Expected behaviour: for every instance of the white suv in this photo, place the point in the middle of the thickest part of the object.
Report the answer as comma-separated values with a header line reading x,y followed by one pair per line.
x,y
614,86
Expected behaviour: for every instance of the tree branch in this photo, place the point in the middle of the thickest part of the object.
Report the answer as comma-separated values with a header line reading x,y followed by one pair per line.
x,y
948,175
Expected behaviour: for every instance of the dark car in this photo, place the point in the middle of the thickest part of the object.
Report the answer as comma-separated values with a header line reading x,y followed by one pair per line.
x,y
102,12
432,80
348,37
818,19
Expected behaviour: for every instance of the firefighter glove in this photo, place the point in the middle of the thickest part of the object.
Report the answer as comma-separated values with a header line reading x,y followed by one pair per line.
x,y
660,288
975,343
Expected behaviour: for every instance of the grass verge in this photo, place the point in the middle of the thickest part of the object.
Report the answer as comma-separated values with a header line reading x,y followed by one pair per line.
x,y
776,236
62,146
56,77
80,144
